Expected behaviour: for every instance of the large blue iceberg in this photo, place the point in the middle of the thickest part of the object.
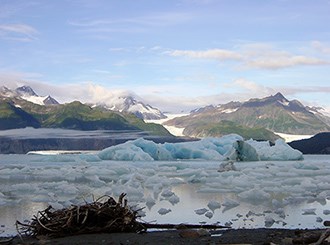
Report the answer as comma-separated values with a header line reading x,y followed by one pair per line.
x,y
229,147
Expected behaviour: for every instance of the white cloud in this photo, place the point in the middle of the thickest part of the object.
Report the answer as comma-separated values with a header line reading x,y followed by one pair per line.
x,y
280,61
19,32
251,87
217,54
261,56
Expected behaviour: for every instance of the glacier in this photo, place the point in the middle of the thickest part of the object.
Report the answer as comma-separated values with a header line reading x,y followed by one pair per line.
x,y
229,147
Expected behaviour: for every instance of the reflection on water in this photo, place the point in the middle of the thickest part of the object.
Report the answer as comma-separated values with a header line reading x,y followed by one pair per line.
x,y
245,215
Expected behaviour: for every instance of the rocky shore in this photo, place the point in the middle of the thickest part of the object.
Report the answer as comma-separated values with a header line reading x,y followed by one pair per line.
x,y
191,237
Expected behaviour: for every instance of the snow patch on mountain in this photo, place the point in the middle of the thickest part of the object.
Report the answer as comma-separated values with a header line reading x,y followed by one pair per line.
x,y
35,99
123,101
28,94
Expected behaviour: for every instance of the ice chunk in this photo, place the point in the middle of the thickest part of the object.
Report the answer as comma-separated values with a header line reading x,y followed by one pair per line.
x,y
254,195
319,219
326,212
229,204
229,147
150,202
209,214
306,166
269,221
174,199
245,152
201,211
126,152
280,212
309,211
279,151
164,211
227,166
167,193
213,205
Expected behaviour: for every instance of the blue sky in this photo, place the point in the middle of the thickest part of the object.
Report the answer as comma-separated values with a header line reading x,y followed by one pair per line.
x,y
175,54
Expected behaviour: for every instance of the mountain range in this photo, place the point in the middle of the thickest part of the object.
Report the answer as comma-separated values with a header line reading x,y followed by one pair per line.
x,y
22,108
27,93
255,118
118,102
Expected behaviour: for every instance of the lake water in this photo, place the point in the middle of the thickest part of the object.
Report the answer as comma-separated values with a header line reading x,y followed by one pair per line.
x,y
277,194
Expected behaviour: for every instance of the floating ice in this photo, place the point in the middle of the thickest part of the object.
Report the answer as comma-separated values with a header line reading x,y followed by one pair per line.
x,y
174,199
229,147
280,212
209,214
213,205
227,166
282,188
319,219
279,151
229,204
309,211
167,193
150,202
269,221
164,211
201,211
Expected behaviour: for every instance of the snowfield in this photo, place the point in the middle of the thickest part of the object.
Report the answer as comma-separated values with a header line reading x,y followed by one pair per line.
x,y
269,193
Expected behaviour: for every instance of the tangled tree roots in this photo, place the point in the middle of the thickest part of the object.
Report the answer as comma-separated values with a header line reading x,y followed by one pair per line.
x,y
96,217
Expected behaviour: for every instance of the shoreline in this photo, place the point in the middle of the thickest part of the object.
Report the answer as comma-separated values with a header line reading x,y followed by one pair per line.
x,y
186,236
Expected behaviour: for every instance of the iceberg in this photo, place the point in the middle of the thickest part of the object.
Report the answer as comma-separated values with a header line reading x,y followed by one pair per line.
x,y
231,147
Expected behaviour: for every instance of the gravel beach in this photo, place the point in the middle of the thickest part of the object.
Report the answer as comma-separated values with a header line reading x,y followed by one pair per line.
x,y
230,236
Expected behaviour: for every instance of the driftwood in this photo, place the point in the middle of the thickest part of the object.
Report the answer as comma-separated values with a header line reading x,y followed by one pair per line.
x,y
96,217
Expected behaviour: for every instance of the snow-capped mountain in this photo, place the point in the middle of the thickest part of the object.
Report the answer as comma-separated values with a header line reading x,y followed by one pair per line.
x,y
274,113
121,102
127,103
27,93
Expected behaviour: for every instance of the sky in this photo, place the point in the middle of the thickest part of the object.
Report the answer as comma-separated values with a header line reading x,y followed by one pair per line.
x,y
176,55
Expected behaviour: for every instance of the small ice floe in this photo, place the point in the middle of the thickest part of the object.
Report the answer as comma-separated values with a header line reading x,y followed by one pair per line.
x,y
269,221
150,202
201,211
167,193
228,224
209,214
319,219
227,166
213,205
174,199
309,211
280,212
250,213
239,215
326,212
164,211
229,204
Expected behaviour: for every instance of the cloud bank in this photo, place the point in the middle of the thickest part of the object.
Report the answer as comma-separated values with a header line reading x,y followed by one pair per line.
x,y
264,57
